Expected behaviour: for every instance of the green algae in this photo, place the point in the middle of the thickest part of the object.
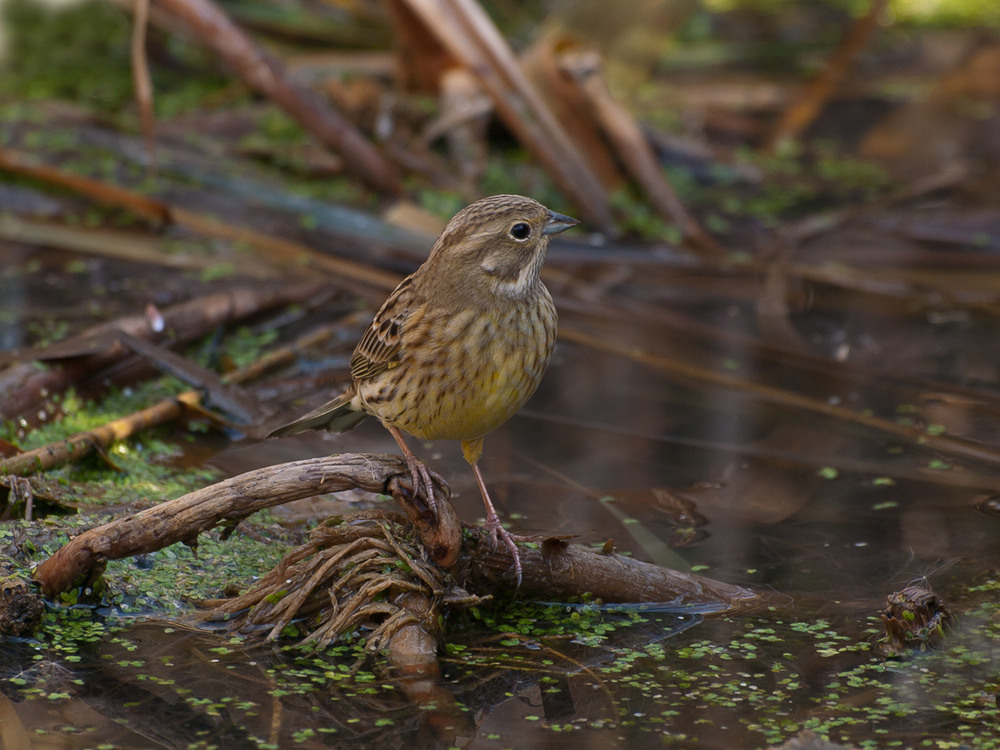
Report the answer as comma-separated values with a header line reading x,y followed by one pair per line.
x,y
764,678
136,471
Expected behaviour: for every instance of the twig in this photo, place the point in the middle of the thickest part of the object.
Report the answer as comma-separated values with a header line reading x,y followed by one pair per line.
x,y
122,244
24,387
266,75
141,79
801,113
148,208
81,444
276,251
76,447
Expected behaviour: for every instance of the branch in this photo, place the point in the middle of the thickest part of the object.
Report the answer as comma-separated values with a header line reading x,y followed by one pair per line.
x,y
266,76
555,570
24,388
182,519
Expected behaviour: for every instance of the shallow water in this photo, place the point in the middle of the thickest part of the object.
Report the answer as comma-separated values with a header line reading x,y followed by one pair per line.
x,y
831,513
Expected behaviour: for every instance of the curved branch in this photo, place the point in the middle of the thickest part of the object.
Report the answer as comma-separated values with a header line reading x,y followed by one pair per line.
x,y
182,519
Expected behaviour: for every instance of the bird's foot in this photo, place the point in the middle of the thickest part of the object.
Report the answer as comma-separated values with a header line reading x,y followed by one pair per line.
x,y
423,477
496,534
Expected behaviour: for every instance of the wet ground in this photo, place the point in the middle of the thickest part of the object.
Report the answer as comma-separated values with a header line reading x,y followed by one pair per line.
x,y
850,454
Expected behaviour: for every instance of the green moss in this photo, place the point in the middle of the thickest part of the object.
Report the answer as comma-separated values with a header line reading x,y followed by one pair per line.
x,y
139,470
245,346
169,580
793,183
748,673
635,216
931,13
81,52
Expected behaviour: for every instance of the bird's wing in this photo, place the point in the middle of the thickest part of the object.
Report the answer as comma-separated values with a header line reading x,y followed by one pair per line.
x,y
379,348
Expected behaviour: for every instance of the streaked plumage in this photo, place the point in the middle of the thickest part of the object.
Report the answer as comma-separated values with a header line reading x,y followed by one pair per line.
x,y
461,344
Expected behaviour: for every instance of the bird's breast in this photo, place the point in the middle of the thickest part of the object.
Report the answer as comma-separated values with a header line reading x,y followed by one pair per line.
x,y
467,375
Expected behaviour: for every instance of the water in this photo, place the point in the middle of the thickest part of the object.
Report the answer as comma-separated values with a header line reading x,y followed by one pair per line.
x,y
717,471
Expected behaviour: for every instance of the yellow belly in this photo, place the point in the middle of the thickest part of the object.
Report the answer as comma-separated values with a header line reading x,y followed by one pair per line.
x,y
488,399
462,392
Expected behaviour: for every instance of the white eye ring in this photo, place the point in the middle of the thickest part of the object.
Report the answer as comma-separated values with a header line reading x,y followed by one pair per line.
x,y
520,231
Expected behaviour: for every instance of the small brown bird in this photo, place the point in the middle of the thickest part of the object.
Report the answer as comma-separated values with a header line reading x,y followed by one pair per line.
x,y
460,344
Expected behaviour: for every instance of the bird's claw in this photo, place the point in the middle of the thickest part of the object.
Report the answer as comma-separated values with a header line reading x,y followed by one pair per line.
x,y
497,533
423,477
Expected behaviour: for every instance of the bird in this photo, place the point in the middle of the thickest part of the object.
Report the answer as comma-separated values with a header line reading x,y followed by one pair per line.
x,y
460,345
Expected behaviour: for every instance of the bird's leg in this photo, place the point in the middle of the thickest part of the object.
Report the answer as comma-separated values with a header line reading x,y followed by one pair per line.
x,y
495,529
420,475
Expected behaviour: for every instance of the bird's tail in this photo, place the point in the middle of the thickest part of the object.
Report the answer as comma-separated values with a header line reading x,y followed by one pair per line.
x,y
338,415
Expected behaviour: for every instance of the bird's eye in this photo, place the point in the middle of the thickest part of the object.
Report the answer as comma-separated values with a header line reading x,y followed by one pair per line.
x,y
520,231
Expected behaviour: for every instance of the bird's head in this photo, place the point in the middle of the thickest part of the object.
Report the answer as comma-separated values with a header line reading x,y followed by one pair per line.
x,y
499,243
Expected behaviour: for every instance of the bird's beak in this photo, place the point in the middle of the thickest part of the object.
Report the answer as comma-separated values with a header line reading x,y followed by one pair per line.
x,y
557,223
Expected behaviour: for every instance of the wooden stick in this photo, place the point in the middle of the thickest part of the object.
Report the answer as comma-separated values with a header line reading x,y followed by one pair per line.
x,y
142,81
82,444
275,251
555,570
801,113
265,75
25,387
